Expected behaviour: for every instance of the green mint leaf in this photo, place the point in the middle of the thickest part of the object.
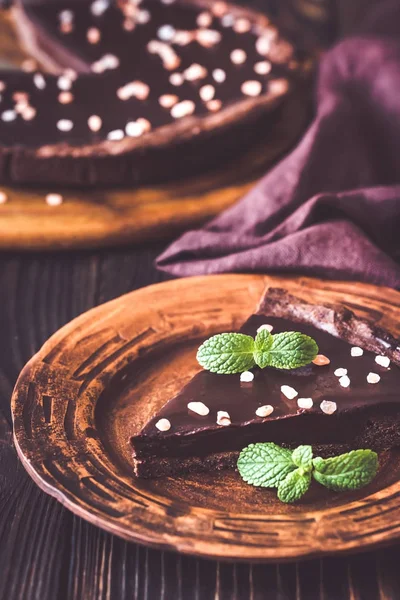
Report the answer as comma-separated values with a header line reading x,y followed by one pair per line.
x,y
302,457
348,471
294,486
265,464
262,345
291,349
227,353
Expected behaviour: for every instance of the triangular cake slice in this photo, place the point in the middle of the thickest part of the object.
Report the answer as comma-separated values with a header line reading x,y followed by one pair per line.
x,y
333,412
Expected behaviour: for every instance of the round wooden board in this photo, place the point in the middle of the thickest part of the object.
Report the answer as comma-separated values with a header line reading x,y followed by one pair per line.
x,y
98,379
109,217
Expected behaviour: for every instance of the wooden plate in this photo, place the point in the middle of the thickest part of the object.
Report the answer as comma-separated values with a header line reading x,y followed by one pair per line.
x,y
109,217
98,379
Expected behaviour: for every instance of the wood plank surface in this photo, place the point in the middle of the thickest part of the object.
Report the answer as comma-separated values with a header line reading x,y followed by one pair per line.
x,y
46,553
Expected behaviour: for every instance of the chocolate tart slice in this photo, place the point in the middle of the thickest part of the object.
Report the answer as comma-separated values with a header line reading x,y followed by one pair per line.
x,y
141,91
333,410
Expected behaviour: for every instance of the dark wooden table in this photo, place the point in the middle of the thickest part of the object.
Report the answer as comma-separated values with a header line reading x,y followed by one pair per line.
x,y
46,552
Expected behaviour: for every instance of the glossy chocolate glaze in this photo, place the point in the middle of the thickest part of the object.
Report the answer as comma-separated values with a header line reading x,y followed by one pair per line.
x,y
357,406
96,93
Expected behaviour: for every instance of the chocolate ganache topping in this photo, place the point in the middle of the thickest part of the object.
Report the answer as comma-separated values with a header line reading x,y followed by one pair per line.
x,y
240,400
137,76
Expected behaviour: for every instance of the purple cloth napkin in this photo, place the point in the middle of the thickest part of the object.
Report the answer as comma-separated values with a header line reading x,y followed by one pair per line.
x,y
331,208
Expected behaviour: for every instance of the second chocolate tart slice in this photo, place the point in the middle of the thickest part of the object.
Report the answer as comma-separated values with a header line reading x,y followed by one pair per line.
x,y
352,402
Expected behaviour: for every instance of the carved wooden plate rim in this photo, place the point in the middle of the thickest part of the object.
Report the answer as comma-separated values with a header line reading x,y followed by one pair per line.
x,y
62,451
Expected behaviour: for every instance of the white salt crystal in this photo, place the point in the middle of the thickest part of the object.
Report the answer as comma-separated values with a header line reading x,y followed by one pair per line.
x,y
328,407
65,125
305,402
340,372
116,135
223,418
133,129
94,123
356,351
251,88
8,116
199,408
383,361
39,81
247,376
266,326
207,92
219,75
289,392
182,109
262,68
163,425
238,56
344,381
98,7
264,411
166,33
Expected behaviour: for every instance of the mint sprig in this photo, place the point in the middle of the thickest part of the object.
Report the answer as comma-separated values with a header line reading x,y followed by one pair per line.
x,y
268,465
265,465
262,348
346,472
302,457
290,350
228,353
294,486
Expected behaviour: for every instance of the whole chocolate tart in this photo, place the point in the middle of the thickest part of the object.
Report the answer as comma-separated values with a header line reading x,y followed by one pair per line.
x,y
140,91
351,402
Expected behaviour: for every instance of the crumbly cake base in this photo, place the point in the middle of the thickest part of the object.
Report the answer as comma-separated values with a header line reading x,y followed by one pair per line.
x,y
378,435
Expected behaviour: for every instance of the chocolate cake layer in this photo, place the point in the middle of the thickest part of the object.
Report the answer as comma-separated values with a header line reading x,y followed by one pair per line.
x,y
361,414
145,90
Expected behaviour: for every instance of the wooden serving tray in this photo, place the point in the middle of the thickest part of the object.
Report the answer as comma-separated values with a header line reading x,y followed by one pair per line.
x,y
109,217
98,379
